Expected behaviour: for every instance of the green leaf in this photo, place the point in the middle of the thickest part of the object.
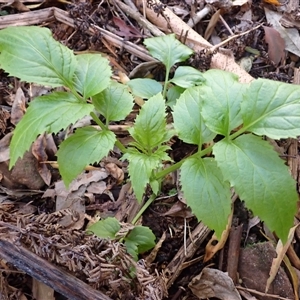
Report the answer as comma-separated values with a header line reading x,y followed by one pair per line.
x,y
261,179
272,108
186,77
139,240
188,120
144,87
114,103
206,192
168,50
173,94
92,74
31,53
222,99
141,167
105,229
149,129
86,146
49,113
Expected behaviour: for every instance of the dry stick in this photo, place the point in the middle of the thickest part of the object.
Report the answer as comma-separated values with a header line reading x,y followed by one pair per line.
x,y
172,23
135,14
261,294
234,251
52,276
50,14
175,267
199,16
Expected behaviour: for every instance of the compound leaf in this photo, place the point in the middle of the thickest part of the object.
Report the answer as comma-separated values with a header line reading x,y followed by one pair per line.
x,y
33,55
222,101
188,120
114,103
92,74
107,228
261,179
206,192
149,129
186,77
272,108
144,87
86,146
168,50
139,240
49,113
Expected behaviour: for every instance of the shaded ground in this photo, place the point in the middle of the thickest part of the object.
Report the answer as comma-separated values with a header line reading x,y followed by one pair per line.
x,y
51,222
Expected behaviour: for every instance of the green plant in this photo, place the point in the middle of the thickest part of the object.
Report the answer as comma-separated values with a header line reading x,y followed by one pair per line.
x,y
209,104
137,239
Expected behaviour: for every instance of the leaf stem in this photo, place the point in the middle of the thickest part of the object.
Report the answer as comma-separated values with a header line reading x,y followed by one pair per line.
x,y
144,207
166,83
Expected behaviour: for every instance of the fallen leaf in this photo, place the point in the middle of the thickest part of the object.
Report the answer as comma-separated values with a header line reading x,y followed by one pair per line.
x,y
214,283
179,209
124,29
280,250
276,45
115,172
4,147
290,35
39,152
18,108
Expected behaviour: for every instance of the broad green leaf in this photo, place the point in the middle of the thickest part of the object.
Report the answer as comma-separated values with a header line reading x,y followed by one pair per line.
x,y
139,240
49,113
188,120
168,50
33,55
222,95
86,146
105,229
144,87
261,179
92,74
206,192
149,129
272,108
186,77
173,94
114,103
141,167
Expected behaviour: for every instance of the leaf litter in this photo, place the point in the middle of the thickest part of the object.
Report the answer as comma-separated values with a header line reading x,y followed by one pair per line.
x,y
61,210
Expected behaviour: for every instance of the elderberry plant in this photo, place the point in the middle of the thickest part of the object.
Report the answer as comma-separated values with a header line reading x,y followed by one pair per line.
x,y
209,104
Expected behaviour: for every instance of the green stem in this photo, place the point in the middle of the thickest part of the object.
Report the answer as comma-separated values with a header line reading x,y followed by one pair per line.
x,y
166,83
144,207
176,166
103,127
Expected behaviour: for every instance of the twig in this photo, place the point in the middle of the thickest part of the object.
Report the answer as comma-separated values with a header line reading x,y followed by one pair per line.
x,y
260,293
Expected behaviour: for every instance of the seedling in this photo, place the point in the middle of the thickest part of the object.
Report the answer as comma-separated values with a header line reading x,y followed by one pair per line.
x,y
208,104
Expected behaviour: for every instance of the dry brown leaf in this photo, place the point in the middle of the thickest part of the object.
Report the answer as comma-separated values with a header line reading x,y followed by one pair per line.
x,y
18,108
124,29
276,45
281,251
214,283
211,248
115,172
39,152
212,24
179,209
4,147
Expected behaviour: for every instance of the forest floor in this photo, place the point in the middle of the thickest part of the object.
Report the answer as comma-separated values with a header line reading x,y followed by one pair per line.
x,y
44,250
